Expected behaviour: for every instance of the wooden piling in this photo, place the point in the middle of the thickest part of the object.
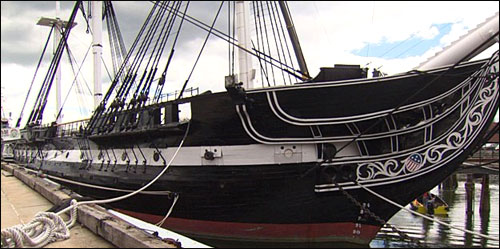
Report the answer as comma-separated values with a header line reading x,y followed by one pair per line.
x,y
450,183
469,194
469,211
484,203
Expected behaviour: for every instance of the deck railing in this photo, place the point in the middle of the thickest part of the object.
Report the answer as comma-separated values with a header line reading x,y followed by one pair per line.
x,y
71,128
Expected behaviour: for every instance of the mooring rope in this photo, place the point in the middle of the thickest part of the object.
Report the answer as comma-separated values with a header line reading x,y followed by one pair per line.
x,y
160,223
424,216
119,198
48,227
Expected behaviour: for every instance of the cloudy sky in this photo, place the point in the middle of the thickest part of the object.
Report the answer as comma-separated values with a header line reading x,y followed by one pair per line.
x,y
392,36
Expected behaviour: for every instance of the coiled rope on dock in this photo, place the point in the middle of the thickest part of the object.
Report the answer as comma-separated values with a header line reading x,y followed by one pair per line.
x,y
424,216
45,228
48,227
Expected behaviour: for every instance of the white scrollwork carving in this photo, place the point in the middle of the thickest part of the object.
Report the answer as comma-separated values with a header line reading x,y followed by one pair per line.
x,y
474,118
371,170
453,143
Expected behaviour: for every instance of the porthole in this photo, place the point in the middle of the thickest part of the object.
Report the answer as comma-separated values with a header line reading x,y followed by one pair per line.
x,y
67,154
156,156
124,156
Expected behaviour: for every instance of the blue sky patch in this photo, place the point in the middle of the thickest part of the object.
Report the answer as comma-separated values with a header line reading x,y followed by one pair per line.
x,y
414,46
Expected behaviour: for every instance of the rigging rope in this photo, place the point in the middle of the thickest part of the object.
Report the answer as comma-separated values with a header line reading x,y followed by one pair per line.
x,y
104,118
34,76
117,45
127,82
266,38
41,101
272,43
199,54
170,20
161,82
201,25
227,38
70,55
150,35
258,29
107,70
281,26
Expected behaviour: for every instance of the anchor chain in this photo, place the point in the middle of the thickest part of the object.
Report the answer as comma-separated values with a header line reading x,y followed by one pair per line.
x,y
402,234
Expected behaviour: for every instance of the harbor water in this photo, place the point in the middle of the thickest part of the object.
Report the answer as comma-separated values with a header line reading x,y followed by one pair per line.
x,y
433,234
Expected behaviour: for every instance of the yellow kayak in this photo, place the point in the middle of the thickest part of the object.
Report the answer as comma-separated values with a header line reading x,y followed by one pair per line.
x,y
440,206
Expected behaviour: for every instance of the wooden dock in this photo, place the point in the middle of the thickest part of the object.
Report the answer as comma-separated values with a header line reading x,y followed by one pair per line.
x,y
25,194
485,161
20,204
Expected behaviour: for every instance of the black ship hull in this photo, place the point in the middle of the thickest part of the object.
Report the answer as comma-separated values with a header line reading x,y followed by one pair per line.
x,y
265,205
279,166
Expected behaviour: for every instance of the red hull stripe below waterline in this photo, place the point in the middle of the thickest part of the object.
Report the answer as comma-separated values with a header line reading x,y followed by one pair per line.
x,y
315,232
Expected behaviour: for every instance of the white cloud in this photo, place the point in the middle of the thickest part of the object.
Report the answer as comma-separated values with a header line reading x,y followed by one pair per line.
x,y
457,30
347,26
429,33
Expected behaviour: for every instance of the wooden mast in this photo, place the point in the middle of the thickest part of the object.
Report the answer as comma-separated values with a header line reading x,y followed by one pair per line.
x,y
295,40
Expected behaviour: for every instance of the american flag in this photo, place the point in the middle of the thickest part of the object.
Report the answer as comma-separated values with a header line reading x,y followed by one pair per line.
x,y
413,162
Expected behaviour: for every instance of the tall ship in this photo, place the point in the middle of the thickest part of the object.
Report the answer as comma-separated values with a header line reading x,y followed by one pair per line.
x,y
293,162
